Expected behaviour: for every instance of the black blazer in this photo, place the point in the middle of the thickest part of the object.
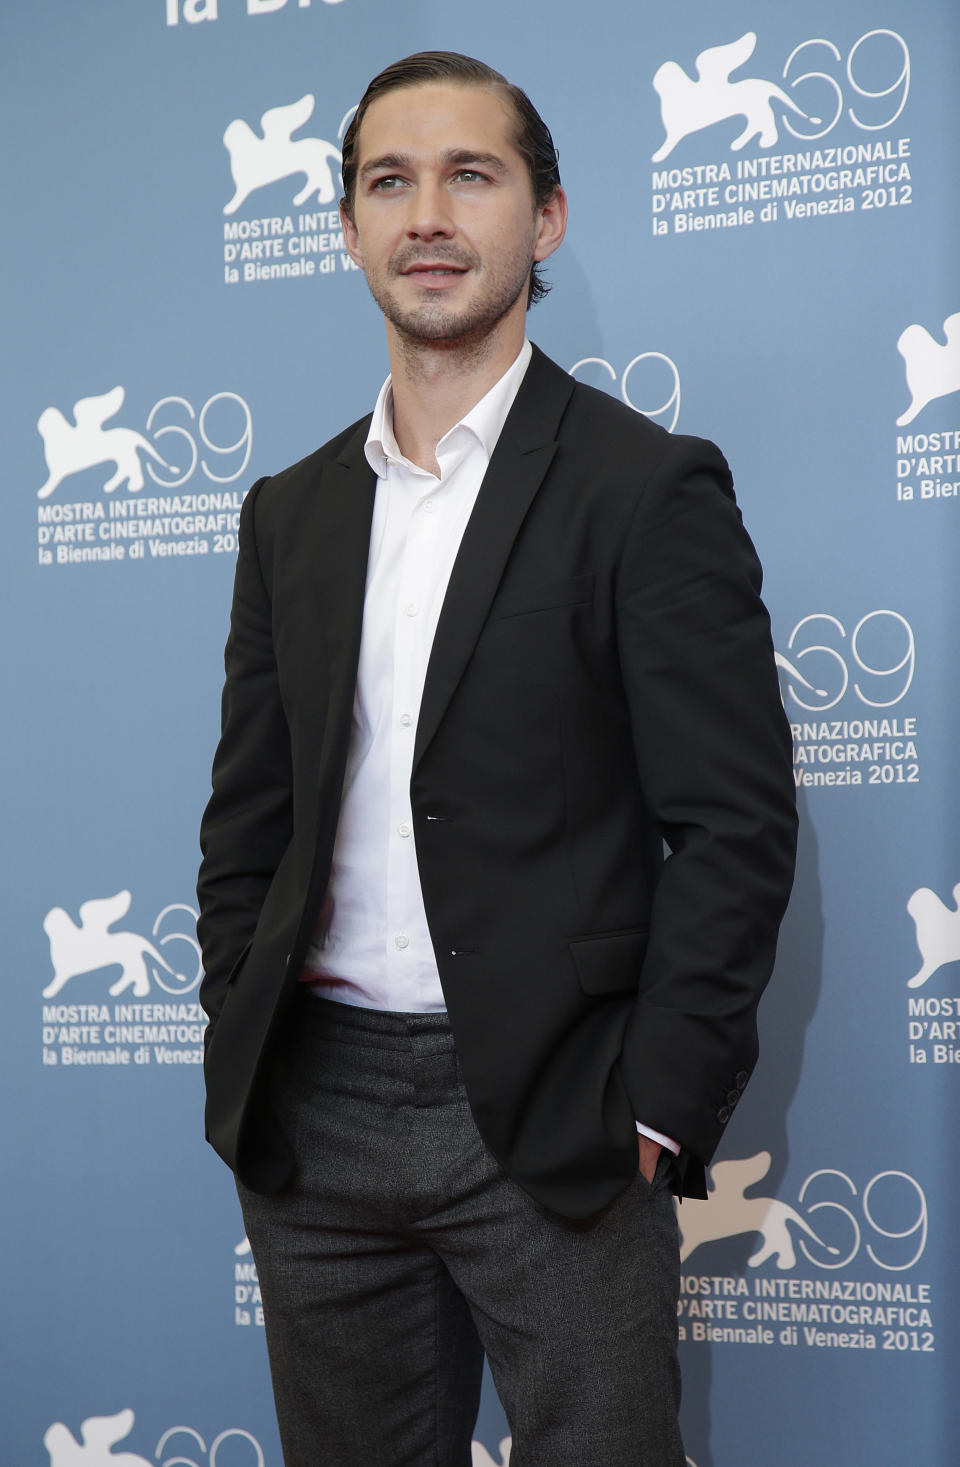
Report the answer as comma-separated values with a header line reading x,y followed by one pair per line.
x,y
601,681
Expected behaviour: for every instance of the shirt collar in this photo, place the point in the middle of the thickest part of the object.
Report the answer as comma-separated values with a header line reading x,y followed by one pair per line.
x,y
485,419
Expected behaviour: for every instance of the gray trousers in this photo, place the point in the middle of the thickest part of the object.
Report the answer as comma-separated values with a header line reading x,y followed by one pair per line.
x,y
401,1253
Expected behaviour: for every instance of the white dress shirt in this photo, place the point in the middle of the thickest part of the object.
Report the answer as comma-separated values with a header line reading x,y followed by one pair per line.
x,y
372,947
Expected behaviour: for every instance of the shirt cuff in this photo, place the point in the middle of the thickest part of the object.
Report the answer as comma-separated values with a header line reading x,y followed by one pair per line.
x,y
658,1136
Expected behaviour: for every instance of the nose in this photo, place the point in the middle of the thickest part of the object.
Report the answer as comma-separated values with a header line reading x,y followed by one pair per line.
x,y
430,216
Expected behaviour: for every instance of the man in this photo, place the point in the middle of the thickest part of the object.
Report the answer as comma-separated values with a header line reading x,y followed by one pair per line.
x,y
489,649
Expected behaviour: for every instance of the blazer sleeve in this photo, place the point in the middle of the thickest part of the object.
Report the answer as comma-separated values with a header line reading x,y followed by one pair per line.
x,y
248,822
714,754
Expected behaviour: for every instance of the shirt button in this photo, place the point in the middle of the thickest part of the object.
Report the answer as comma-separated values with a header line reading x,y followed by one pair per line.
x,y
411,608
404,829
406,719
401,940
428,506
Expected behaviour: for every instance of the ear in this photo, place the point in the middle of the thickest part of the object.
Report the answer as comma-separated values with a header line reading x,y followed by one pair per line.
x,y
351,238
552,225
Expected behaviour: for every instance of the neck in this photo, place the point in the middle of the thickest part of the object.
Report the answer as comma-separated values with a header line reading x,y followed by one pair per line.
x,y
436,383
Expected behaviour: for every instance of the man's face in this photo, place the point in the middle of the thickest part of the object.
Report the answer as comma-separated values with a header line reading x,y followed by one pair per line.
x,y
444,222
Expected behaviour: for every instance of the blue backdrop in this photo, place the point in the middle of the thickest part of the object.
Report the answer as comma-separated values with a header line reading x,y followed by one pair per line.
x,y
763,249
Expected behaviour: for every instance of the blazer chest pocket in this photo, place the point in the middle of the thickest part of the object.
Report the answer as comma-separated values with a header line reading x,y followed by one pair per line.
x,y
609,963
523,600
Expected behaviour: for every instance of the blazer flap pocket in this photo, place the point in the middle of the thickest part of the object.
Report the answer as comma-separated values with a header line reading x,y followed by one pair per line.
x,y
520,600
609,963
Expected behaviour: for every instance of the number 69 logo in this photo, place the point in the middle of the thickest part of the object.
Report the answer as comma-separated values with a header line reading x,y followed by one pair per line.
x,y
894,1208
230,454
879,656
869,59
657,379
250,1454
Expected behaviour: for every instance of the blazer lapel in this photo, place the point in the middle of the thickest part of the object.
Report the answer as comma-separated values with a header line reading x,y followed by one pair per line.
x,y
517,468
335,533
339,542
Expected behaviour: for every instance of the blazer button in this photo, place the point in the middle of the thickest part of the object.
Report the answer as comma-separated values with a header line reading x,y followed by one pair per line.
x,y
723,1114
732,1097
741,1080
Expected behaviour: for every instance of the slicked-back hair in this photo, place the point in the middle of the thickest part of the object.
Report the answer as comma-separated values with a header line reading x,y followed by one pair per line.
x,y
532,136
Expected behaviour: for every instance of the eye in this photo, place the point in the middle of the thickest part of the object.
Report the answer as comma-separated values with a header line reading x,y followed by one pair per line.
x,y
469,175
385,184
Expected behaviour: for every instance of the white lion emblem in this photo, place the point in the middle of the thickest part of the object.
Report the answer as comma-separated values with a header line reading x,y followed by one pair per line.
x,y
938,931
932,370
99,1434
70,447
727,1213
688,106
84,949
256,161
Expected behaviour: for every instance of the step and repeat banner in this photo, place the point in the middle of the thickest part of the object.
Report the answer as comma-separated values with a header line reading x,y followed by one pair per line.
x,y
763,249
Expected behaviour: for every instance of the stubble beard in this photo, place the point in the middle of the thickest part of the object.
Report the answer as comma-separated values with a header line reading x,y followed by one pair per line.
x,y
438,323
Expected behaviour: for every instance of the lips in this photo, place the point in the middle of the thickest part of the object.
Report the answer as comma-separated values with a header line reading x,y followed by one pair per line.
x,y
434,276
411,260
423,267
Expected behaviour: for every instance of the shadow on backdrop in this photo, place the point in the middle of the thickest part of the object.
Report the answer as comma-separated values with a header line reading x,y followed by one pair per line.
x,y
785,1014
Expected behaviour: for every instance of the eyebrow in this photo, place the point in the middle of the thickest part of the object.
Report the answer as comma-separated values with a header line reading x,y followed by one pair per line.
x,y
457,157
